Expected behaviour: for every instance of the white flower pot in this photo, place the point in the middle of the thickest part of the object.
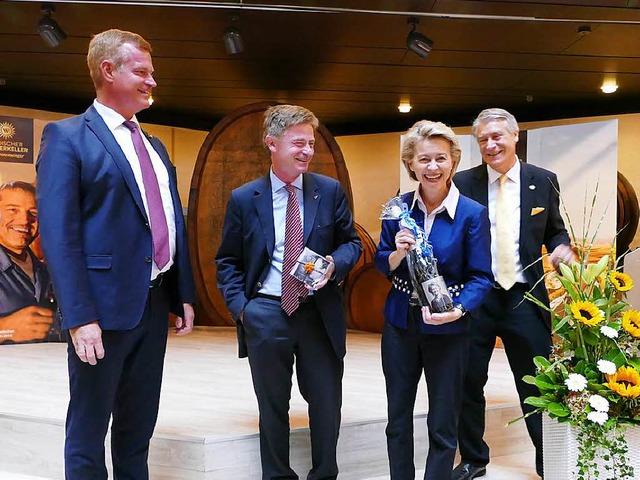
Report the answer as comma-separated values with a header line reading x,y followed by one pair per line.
x,y
560,451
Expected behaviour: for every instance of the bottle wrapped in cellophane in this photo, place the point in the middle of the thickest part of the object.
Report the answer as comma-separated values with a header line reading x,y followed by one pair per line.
x,y
423,265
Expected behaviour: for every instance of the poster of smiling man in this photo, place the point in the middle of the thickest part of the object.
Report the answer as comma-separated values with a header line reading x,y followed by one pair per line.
x,y
27,303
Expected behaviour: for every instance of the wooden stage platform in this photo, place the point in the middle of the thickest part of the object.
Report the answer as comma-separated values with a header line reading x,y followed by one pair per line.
x,y
208,423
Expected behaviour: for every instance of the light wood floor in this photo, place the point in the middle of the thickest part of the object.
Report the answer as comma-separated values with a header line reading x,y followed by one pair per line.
x,y
207,393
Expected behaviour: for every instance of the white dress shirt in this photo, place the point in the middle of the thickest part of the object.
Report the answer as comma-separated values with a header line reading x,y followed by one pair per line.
x,y
272,284
122,135
450,203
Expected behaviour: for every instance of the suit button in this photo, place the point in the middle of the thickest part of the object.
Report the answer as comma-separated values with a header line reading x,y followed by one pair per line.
x,y
147,225
147,259
259,285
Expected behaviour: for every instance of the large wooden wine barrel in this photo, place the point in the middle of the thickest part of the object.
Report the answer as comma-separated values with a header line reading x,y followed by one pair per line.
x,y
628,213
366,290
231,155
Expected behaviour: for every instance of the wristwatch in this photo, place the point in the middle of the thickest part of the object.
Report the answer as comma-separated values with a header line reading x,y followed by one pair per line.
x,y
460,307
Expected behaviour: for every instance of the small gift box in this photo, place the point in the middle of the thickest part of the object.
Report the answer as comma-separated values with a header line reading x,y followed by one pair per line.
x,y
310,267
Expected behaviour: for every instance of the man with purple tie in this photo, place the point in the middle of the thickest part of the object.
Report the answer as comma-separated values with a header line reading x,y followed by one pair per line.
x,y
115,242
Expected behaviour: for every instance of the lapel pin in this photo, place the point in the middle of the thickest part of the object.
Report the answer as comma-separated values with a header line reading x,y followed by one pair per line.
x,y
532,187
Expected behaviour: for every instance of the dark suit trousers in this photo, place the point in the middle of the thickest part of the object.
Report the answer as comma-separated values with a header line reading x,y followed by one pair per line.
x,y
273,341
520,326
125,384
405,355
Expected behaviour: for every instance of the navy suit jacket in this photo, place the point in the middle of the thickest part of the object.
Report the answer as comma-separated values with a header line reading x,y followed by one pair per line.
x,y
248,241
538,188
462,246
94,229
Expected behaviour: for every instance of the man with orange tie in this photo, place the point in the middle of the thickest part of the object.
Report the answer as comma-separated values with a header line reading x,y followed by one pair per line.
x,y
524,211
279,321
115,242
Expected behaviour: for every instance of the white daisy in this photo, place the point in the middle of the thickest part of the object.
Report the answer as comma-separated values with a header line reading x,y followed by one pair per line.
x,y
599,403
605,366
609,331
598,417
576,382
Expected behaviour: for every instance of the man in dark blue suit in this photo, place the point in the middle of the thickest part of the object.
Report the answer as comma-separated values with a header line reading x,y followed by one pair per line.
x,y
253,279
115,242
531,210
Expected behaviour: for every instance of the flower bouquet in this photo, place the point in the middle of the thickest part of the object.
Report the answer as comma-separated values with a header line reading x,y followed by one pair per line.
x,y
592,378
427,282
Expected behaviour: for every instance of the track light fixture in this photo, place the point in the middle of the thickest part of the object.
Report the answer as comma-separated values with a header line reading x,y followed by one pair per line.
x,y
232,38
48,28
417,42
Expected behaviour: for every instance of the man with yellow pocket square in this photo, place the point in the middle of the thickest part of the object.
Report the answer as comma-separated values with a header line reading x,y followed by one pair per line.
x,y
524,211
536,210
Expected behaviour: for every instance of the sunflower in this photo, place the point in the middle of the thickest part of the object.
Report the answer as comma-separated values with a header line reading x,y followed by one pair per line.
x,y
625,382
631,322
621,281
587,313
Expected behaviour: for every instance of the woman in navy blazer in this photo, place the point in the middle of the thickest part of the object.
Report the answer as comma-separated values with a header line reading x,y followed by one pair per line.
x,y
414,339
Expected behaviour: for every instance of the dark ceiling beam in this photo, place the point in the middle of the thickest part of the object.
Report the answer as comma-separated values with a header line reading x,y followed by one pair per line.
x,y
241,5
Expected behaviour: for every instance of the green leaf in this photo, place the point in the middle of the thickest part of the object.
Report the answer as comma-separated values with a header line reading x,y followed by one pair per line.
x,y
601,303
616,356
590,337
558,409
541,362
570,288
530,379
588,275
544,383
601,265
558,324
580,367
617,308
566,273
563,370
536,402
634,362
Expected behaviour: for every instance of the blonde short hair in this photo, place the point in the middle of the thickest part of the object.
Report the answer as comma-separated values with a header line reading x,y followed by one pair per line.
x,y
424,130
108,46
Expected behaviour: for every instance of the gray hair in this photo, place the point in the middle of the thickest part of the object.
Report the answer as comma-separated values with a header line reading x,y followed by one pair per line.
x,y
423,130
280,117
491,114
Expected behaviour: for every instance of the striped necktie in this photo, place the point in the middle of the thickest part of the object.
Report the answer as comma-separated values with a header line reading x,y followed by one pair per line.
x,y
292,288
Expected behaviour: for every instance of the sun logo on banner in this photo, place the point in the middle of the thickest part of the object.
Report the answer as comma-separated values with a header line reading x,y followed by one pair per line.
x,y
7,130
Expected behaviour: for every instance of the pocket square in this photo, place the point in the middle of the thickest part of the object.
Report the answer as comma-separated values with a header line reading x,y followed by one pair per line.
x,y
536,210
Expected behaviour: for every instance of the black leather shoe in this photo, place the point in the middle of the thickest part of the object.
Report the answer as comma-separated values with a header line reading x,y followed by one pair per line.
x,y
466,471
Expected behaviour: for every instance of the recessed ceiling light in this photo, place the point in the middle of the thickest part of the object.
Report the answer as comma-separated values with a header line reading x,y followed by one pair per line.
x,y
609,86
404,107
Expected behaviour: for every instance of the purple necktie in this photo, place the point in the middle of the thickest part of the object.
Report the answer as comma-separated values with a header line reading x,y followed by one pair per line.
x,y
292,288
159,229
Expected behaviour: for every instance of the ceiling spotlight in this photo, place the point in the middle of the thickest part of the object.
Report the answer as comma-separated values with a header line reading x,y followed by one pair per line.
x,y
404,107
232,39
48,28
417,42
609,86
